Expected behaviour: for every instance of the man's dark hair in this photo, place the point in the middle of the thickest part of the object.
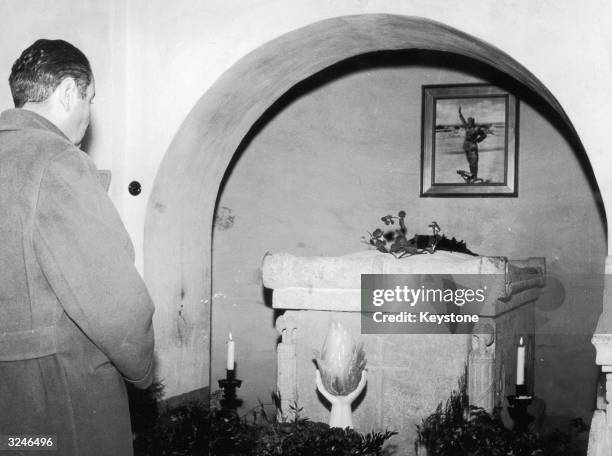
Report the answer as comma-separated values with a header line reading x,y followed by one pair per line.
x,y
43,66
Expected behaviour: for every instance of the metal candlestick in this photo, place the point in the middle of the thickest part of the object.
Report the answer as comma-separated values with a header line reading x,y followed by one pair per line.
x,y
229,384
518,408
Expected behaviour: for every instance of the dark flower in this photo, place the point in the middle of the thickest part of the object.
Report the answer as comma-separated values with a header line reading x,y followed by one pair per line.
x,y
388,219
390,235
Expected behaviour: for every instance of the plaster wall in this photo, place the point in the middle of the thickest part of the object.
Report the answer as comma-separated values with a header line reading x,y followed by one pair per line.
x,y
344,151
175,51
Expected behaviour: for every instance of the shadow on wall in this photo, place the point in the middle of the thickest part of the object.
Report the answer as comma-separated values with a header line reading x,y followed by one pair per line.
x,y
88,139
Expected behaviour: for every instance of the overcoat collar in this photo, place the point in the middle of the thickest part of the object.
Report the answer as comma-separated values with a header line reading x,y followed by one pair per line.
x,y
23,119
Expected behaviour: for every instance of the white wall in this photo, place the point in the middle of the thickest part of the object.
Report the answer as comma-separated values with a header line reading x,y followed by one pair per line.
x,y
176,50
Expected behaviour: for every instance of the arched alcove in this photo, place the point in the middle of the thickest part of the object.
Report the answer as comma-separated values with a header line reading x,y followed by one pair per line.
x,y
178,226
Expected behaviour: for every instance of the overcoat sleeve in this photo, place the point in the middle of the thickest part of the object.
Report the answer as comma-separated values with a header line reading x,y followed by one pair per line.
x,y
88,259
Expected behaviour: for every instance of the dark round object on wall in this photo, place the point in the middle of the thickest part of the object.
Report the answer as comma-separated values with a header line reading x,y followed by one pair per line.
x,y
134,188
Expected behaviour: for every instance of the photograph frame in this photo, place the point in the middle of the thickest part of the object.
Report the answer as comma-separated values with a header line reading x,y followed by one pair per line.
x,y
453,182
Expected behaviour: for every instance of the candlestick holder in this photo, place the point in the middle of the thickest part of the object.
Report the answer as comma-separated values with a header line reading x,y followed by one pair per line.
x,y
518,408
521,390
229,384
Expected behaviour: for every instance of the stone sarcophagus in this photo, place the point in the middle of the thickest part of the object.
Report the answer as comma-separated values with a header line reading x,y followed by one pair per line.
x,y
408,374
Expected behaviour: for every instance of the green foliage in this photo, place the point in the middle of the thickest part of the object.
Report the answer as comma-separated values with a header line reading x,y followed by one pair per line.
x,y
197,429
460,430
180,431
258,434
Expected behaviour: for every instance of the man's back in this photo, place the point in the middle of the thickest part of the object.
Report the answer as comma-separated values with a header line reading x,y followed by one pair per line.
x,y
75,313
24,156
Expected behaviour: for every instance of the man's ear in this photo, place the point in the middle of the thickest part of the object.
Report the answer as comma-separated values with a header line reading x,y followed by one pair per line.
x,y
66,93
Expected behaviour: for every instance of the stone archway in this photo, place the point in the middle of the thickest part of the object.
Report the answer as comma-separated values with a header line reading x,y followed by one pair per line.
x,y
179,220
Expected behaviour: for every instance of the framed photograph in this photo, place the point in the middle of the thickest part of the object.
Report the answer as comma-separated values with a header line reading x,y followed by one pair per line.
x,y
469,141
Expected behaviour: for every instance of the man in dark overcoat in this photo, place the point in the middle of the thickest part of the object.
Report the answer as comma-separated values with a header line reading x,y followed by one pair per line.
x,y
75,316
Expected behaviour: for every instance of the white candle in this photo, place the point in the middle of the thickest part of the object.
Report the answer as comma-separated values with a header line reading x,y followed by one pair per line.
x,y
230,352
520,363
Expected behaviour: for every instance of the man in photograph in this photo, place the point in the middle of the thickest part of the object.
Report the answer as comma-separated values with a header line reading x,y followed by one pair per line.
x,y
474,134
75,315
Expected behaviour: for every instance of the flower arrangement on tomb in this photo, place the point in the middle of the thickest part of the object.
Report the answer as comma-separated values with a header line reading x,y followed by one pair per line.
x,y
394,240
341,361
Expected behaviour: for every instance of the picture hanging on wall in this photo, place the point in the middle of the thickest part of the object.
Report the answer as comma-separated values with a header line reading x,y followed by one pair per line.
x,y
469,141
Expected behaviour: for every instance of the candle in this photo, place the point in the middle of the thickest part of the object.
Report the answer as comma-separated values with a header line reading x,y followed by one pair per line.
x,y
230,352
520,363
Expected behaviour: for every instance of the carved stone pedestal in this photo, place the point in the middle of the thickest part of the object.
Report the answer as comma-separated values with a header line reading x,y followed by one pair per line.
x,y
600,435
286,380
481,369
